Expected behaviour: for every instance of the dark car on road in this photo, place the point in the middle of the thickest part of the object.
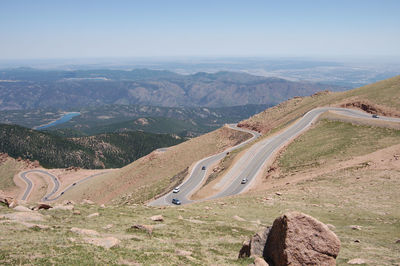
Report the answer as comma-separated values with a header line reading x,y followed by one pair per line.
x,y
375,116
176,201
203,168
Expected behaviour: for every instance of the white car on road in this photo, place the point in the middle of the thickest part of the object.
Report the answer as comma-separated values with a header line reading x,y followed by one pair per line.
x,y
176,190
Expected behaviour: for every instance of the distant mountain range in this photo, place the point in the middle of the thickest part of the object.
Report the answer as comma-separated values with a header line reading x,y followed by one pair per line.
x,y
27,88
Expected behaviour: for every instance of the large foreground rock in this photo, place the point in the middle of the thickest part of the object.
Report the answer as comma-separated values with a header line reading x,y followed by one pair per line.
x,y
299,239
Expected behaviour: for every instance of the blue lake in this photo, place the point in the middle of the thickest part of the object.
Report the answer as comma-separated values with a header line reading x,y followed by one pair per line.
x,y
61,120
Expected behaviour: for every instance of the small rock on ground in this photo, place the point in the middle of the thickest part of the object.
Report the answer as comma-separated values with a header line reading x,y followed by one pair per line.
x,y
81,231
24,216
68,202
62,207
238,218
36,226
183,253
108,226
22,209
106,242
143,227
93,215
355,227
195,221
157,218
357,261
87,201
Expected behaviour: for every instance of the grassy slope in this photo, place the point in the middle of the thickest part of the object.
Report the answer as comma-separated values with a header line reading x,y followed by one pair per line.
x,y
384,94
332,141
348,197
8,169
150,175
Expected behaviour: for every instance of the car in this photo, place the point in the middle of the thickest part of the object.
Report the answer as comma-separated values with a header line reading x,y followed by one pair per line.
x,y
74,184
203,168
176,201
176,190
375,116
62,193
244,181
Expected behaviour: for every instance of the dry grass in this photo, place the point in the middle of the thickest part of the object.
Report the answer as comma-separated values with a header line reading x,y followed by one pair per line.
x,y
8,169
353,196
332,141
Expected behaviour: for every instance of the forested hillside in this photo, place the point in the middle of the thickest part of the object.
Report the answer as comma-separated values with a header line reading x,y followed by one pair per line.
x,y
100,151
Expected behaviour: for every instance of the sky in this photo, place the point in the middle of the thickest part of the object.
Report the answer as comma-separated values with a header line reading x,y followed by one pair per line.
x,y
178,28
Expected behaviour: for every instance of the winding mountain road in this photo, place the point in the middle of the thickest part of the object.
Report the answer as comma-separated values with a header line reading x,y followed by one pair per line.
x,y
248,165
252,162
23,175
55,181
197,175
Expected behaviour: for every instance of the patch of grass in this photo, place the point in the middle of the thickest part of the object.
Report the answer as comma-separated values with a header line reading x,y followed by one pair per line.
x,y
8,169
332,141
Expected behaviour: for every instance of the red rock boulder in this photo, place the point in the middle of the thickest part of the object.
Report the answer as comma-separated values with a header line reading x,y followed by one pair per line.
x,y
299,239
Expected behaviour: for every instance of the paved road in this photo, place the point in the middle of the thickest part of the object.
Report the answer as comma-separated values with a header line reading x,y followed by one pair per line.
x,y
251,163
197,175
248,166
56,184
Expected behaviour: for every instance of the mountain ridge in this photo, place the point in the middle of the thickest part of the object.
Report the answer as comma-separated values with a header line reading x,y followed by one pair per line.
x,y
31,89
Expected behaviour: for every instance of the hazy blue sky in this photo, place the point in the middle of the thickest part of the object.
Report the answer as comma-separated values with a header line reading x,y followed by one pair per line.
x,y
63,29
